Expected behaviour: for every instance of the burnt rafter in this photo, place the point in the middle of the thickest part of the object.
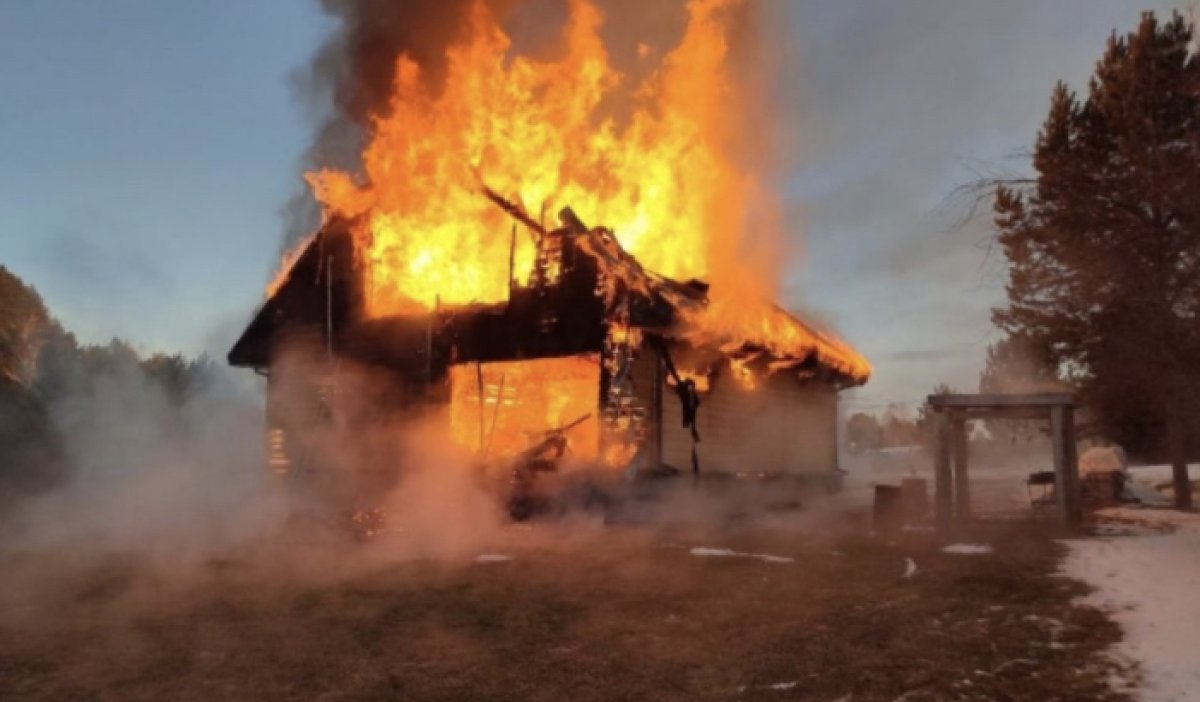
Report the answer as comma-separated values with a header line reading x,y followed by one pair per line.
x,y
319,296
582,284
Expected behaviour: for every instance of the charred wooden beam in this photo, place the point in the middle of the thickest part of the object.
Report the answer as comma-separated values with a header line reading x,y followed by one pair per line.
x,y
516,212
571,221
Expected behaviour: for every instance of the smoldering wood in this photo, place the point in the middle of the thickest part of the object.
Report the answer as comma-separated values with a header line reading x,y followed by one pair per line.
x,y
571,221
536,230
540,320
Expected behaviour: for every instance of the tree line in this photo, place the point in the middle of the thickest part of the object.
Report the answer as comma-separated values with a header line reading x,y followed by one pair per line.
x,y
1103,250
1103,244
45,372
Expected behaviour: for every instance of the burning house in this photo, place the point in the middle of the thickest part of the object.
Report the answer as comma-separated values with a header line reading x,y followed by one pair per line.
x,y
527,335
628,358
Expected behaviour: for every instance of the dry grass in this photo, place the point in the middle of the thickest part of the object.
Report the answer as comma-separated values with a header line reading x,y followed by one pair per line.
x,y
623,614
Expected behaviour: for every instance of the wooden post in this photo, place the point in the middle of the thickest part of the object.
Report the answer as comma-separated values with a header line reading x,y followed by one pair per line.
x,y
479,389
962,483
329,305
437,303
943,479
1075,511
1066,468
512,257
660,380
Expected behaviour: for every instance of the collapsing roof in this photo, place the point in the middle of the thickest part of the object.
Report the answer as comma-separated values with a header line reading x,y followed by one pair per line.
x,y
600,284
770,333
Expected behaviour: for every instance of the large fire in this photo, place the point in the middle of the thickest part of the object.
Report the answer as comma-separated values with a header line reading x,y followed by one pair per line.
x,y
535,132
664,176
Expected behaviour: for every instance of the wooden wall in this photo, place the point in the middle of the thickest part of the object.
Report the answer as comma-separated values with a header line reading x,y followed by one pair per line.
x,y
782,427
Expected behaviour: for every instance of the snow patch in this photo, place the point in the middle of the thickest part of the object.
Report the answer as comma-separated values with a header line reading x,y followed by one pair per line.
x,y
1147,580
778,687
968,549
706,552
492,558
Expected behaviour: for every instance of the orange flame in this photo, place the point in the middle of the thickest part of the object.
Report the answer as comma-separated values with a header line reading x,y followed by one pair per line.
x,y
285,266
521,400
666,179
535,131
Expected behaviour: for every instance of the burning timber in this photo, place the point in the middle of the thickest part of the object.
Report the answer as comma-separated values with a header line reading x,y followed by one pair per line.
x,y
592,354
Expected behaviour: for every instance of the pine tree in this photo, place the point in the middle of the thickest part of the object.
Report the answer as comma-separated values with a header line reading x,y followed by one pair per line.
x,y
24,323
1104,246
1017,364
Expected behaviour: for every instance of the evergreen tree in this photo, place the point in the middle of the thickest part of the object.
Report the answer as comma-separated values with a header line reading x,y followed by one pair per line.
x,y
24,325
863,432
1018,364
1104,246
30,448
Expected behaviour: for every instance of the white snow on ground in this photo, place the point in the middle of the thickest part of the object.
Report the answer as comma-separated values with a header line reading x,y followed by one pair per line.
x,y
1149,579
492,558
1145,479
705,552
777,687
968,549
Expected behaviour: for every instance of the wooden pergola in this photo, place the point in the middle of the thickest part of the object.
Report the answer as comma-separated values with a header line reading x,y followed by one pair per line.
x,y
952,500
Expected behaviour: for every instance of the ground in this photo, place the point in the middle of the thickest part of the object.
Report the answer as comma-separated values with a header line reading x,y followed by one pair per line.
x,y
1146,574
582,612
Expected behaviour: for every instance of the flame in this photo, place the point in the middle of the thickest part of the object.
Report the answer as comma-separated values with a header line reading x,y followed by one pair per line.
x,y
666,178
728,324
285,265
536,131
522,400
742,373
700,379
656,162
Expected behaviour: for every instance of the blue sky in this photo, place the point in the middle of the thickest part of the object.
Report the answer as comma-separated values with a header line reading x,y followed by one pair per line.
x,y
146,148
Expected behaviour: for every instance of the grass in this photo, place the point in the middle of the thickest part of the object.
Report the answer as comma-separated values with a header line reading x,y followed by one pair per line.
x,y
624,613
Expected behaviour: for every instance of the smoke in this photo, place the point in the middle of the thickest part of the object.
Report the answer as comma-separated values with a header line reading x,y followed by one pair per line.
x,y
171,488
171,503
164,496
164,485
143,472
